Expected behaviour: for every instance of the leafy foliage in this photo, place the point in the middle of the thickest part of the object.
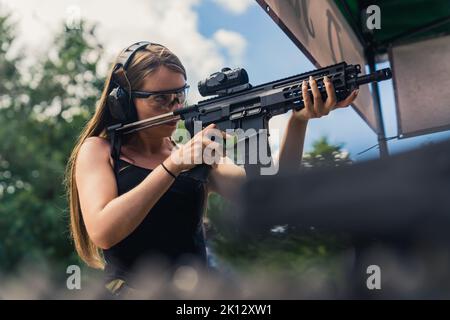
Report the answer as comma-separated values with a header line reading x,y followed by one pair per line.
x,y
325,155
42,110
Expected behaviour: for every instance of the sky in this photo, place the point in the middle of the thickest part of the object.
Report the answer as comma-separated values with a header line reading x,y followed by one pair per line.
x,y
208,35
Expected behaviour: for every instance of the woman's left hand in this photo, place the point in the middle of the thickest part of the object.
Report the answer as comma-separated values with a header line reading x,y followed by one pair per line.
x,y
318,108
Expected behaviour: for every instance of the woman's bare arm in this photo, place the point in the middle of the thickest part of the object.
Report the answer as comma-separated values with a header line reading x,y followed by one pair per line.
x,y
109,218
226,178
291,148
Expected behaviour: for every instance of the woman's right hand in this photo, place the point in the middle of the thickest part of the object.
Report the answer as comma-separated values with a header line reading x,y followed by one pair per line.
x,y
193,152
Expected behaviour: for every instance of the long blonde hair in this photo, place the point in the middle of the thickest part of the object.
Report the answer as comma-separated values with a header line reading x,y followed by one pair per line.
x,y
144,62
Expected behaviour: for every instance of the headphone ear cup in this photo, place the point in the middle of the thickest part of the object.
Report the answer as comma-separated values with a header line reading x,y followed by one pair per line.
x,y
131,111
128,107
116,103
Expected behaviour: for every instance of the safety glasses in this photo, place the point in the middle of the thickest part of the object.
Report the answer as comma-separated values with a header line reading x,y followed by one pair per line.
x,y
164,99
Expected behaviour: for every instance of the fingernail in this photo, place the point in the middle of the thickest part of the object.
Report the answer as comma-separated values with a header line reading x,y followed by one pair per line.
x,y
311,78
304,83
326,79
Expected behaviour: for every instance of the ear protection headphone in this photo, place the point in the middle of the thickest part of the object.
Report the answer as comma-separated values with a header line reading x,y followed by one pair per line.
x,y
119,101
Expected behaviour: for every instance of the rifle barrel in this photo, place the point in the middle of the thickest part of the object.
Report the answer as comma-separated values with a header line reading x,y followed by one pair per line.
x,y
150,122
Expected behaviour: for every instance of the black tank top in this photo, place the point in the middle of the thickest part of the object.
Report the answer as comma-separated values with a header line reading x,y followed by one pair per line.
x,y
172,230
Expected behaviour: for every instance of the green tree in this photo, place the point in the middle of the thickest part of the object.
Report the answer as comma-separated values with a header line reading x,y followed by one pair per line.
x,y
40,118
325,154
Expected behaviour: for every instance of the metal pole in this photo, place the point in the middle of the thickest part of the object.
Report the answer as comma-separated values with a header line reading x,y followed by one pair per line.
x,y
384,152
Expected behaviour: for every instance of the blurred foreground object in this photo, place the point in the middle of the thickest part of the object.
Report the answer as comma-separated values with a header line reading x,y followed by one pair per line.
x,y
397,210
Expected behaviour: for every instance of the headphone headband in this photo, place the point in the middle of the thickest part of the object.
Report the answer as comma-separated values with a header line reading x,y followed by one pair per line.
x,y
128,53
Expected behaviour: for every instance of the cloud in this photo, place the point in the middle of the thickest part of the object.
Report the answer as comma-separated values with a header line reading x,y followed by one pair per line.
x,y
235,6
234,43
173,23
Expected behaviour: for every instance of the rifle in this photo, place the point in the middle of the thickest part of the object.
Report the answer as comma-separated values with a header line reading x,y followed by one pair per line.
x,y
239,105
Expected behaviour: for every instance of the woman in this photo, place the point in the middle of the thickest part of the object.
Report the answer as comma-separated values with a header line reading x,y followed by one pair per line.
x,y
151,207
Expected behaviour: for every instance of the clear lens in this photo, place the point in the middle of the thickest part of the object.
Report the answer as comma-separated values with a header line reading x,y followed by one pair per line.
x,y
167,100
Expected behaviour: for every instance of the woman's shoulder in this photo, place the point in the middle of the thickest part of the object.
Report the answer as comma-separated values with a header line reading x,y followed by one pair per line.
x,y
99,144
95,148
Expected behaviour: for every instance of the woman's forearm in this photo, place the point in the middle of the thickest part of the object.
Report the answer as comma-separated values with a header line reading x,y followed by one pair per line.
x,y
291,148
226,179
